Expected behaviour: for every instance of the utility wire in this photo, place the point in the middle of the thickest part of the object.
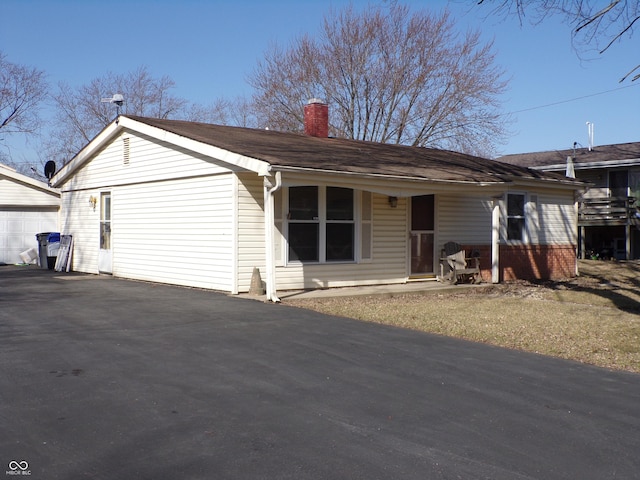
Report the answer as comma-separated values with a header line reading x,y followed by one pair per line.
x,y
573,99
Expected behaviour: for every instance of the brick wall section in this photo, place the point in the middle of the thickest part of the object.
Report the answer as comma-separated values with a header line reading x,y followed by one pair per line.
x,y
537,262
528,262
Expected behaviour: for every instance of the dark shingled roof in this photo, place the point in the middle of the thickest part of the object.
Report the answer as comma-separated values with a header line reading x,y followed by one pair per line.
x,y
283,149
603,153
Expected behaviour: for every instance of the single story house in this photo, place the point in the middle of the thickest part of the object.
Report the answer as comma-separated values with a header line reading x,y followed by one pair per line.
x,y
608,213
203,205
27,207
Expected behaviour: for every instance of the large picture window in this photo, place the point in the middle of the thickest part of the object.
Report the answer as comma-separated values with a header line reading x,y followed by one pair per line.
x,y
515,216
321,224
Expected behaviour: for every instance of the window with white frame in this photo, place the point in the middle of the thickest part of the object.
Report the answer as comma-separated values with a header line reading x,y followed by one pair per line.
x,y
516,216
323,225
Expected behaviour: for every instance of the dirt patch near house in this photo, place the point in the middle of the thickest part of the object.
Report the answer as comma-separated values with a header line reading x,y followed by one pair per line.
x,y
594,318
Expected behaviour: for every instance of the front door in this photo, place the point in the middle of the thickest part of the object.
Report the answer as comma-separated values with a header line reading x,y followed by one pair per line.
x,y
104,256
422,235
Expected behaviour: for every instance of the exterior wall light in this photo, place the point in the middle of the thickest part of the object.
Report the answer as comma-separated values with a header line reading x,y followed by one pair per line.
x,y
393,202
92,202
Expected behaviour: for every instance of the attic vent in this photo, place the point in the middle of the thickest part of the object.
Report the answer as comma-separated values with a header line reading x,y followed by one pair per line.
x,y
125,151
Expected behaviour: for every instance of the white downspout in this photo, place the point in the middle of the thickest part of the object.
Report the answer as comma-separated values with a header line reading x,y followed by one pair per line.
x,y
269,223
495,241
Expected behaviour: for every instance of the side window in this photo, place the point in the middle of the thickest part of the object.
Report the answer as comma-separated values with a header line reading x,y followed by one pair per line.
x,y
515,216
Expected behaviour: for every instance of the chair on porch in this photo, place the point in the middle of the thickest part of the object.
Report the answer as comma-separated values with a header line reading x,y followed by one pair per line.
x,y
456,267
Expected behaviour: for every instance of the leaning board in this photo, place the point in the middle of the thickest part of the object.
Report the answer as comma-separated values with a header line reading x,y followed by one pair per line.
x,y
63,262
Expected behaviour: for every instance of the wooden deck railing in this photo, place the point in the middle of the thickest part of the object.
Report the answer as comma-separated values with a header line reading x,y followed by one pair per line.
x,y
607,211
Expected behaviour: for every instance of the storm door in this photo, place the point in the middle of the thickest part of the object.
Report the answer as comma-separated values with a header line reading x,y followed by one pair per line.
x,y
104,255
422,235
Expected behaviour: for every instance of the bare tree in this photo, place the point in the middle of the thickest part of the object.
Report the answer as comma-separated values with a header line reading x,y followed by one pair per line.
x,y
80,115
22,91
238,112
390,76
593,24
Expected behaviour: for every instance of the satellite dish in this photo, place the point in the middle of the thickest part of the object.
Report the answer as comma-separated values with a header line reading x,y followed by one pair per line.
x,y
49,169
117,98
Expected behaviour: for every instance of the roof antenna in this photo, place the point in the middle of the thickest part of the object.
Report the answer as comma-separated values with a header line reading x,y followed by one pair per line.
x,y
590,135
117,98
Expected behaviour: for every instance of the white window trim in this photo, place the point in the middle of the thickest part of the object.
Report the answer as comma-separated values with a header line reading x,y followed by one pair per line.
x,y
360,223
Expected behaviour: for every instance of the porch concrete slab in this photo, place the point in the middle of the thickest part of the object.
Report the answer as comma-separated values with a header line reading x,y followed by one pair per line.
x,y
418,287
104,378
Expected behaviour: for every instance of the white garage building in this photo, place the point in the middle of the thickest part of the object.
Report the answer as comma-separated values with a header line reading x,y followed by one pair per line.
x,y
27,207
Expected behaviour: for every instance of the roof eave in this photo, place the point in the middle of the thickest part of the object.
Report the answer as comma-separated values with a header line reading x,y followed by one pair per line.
x,y
86,153
588,165
252,164
384,176
26,180
247,163
549,182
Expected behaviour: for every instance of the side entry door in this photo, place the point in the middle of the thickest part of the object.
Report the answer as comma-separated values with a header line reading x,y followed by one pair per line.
x,y
105,262
422,235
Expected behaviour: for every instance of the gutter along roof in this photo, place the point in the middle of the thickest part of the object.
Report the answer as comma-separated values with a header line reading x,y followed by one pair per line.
x,y
267,150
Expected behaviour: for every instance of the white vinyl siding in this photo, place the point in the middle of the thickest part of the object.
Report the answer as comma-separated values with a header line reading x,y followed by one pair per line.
x,y
550,218
149,161
389,259
463,219
15,193
82,221
173,214
24,211
251,236
175,232
557,220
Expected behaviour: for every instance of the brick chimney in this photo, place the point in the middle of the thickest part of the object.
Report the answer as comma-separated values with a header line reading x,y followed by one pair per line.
x,y
316,118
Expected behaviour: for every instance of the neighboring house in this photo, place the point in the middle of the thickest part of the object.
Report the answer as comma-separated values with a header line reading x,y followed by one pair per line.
x,y
608,212
202,205
27,207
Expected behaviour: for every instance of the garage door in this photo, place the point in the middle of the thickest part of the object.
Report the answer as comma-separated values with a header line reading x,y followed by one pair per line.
x,y
18,230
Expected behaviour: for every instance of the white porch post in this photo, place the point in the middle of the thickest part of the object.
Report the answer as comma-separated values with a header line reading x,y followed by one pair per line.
x,y
269,225
495,241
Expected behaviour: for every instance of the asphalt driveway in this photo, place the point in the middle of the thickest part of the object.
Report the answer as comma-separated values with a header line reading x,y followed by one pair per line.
x,y
104,378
